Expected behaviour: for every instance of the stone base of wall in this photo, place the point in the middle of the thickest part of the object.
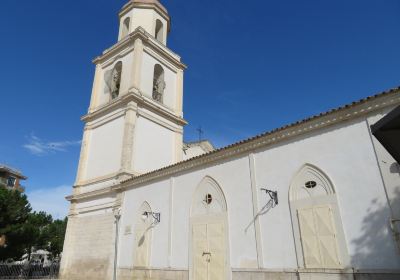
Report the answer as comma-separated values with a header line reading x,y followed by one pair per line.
x,y
171,274
156,274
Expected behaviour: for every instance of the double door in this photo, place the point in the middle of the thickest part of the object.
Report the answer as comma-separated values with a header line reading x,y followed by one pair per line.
x,y
209,252
318,237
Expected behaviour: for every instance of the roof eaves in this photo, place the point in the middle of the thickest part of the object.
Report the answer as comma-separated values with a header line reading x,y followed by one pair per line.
x,y
279,129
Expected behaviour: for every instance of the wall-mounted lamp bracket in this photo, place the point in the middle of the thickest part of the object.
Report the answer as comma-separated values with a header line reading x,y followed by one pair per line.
x,y
273,195
156,216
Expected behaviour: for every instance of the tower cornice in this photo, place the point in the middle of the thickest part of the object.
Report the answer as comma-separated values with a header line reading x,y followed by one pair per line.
x,y
141,100
148,41
146,5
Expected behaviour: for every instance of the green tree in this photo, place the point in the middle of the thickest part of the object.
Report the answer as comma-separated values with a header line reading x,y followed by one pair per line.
x,y
26,231
55,234
35,233
14,212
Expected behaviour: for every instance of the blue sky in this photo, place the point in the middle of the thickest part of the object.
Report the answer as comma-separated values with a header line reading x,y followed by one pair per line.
x,y
253,66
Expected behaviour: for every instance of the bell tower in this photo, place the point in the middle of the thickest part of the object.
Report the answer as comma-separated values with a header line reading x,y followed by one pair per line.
x,y
135,122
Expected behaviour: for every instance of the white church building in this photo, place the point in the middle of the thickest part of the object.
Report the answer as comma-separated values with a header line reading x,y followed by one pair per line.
x,y
316,199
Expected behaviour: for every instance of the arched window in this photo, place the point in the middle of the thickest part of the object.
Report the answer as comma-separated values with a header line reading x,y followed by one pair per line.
x,y
125,27
209,232
317,227
115,82
159,34
158,83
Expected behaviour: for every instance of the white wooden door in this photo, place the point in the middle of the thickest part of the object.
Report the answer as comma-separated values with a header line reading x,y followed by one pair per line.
x,y
318,237
209,251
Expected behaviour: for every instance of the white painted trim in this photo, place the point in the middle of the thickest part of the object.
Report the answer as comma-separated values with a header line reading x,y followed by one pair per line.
x,y
142,101
170,219
256,207
269,139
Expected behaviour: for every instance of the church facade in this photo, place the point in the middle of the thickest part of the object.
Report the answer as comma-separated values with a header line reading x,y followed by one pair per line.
x,y
316,199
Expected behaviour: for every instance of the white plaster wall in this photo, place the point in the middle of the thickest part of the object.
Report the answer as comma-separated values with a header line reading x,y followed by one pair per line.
x,y
104,149
157,195
345,154
236,187
234,179
147,76
153,146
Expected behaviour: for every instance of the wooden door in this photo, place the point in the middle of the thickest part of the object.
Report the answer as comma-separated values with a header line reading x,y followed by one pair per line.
x,y
209,251
318,237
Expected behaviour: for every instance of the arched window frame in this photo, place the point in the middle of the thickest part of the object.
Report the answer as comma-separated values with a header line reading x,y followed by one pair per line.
x,y
125,27
159,84
302,198
159,31
115,80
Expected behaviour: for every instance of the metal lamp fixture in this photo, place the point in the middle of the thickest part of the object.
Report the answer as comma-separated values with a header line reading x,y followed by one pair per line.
x,y
273,195
156,216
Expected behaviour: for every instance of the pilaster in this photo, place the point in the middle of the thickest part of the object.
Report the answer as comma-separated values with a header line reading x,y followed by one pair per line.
x,y
95,88
128,139
179,93
137,63
83,156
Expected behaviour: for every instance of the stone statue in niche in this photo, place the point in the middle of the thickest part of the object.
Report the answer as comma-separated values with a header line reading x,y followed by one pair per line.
x,y
115,83
158,89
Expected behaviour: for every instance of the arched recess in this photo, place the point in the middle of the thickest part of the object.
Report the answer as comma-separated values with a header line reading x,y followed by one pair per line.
x,y
209,238
317,225
159,32
115,80
158,83
143,235
125,27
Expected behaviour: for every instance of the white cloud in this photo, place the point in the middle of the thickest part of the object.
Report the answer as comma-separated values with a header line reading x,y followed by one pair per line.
x,y
51,200
39,147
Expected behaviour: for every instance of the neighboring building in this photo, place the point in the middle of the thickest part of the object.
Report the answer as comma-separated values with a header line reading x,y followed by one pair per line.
x,y
195,149
11,178
331,211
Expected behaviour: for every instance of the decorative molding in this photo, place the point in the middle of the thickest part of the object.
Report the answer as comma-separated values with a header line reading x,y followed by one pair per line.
x,y
334,117
91,194
141,100
148,41
106,119
129,6
275,136
146,115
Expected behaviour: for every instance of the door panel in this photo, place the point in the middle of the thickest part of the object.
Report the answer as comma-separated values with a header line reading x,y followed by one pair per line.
x,y
209,251
309,238
215,234
200,266
327,236
318,237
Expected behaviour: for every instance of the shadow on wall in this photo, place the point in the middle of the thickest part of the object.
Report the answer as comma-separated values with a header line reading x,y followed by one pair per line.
x,y
270,204
376,247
